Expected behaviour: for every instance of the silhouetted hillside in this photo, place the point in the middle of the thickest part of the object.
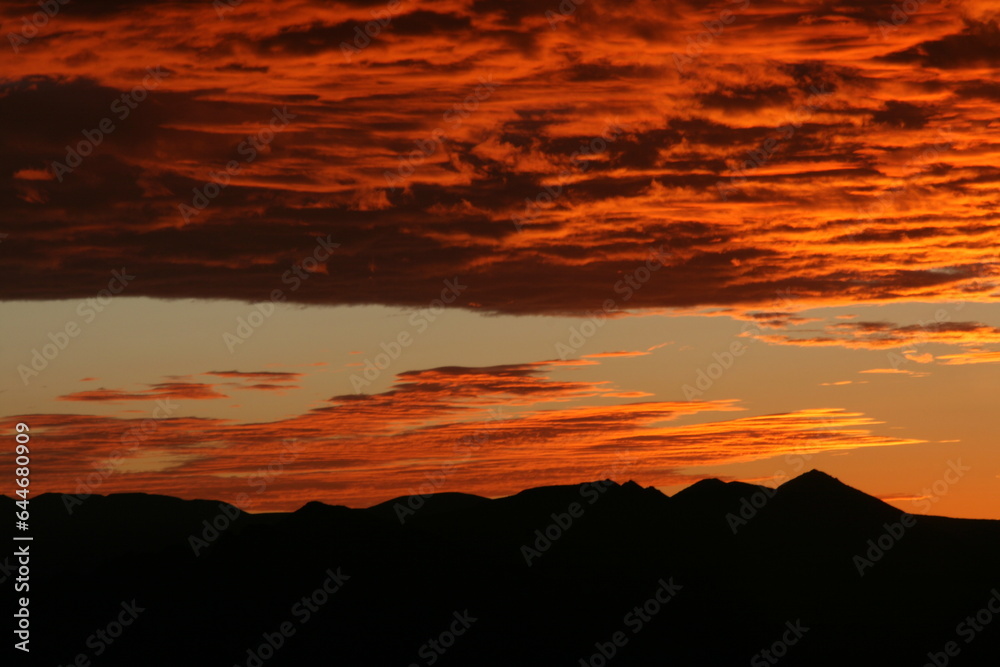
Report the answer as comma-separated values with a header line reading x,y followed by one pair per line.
x,y
550,576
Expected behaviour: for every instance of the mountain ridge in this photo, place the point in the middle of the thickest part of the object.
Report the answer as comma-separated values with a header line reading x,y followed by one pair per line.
x,y
814,479
550,574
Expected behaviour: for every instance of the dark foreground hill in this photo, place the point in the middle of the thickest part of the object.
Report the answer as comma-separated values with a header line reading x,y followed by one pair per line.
x,y
813,573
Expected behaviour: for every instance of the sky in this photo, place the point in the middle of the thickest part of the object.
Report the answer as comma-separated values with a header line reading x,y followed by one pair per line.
x,y
275,252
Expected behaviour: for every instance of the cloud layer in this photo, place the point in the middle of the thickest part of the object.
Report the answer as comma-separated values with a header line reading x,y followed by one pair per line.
x,y
827,153
491,431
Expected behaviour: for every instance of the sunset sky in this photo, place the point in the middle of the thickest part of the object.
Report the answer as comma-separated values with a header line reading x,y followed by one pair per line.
x,y
392,247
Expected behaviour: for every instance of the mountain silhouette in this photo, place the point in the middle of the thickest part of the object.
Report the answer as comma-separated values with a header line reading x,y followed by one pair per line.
x,y
600,573
816,491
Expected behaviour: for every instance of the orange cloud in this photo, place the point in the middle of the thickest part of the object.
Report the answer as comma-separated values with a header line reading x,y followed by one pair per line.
x,y
259,380
803,151
491,430
164,390
901,340
970,358
606,355
894,371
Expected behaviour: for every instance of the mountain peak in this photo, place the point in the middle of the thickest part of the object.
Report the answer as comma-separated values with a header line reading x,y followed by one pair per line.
x,y
815,477
815,484
702,486
713,495
816,489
